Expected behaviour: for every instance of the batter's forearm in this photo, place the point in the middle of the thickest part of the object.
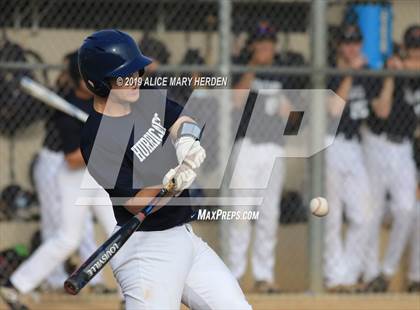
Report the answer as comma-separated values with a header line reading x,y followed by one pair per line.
x,y
175,127
143,197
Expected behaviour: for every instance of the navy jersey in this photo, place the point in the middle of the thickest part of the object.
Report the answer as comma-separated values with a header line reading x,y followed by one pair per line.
x,y
266,90
401,122
356,109
52,140
70,128
135,145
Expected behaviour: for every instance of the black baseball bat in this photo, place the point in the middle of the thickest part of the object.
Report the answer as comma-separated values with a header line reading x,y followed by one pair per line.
x,y
79,278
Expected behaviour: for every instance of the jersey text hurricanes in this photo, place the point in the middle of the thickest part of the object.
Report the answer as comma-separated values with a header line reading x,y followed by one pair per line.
x,y
150,140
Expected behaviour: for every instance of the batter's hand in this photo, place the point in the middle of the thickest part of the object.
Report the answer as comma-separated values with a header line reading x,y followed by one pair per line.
x,y
183,176
190,151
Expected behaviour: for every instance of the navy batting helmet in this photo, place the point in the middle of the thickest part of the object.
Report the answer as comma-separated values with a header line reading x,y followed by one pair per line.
x,y
109,54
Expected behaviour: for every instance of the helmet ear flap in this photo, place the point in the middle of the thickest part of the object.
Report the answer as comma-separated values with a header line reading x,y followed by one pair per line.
x,y
100,88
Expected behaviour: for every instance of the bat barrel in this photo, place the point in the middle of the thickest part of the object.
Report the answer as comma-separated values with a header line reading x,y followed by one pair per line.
x,y
100,258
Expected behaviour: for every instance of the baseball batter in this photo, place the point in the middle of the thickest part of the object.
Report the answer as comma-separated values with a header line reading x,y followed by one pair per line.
x,y
133,142
388,145
347,183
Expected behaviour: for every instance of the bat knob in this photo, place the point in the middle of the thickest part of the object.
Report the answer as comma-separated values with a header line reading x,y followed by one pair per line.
x,y
71,286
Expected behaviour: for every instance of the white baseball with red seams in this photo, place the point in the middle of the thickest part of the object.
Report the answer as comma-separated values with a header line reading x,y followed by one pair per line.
x,y
319,206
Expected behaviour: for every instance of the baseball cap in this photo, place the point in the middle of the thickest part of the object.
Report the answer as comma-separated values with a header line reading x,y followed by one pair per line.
x,y
73,67
264,31
350,33
155,48
412,37
193,57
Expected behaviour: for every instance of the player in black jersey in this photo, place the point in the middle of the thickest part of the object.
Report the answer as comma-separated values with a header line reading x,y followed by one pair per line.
x,y
134,141
388,146
347,182
69,222
268,104
412,94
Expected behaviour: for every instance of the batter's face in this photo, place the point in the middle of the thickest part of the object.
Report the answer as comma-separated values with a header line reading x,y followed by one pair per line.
x,y
351,50
128,92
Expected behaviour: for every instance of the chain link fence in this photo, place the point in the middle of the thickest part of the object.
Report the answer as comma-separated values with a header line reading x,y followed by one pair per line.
x,y
367,175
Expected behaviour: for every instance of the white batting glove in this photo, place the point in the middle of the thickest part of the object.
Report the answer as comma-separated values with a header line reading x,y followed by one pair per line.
x,y
190,151
183,175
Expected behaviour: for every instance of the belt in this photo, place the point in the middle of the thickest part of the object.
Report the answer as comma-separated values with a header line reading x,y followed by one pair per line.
x,y
348,136
396,138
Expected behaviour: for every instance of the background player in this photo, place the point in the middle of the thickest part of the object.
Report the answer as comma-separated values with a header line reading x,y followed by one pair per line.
x,y
51,160
412,95
389,153
259,143
164,262
74,220
347,183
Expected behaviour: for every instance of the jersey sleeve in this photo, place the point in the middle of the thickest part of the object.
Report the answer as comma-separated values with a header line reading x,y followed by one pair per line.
x,y
333,83
373,87
172,112
69,130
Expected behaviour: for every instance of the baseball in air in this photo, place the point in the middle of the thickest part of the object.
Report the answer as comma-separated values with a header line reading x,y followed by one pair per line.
x,y
319,206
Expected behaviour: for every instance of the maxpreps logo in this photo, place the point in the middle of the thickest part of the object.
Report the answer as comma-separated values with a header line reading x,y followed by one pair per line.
x,y
150,140
103,260
227,215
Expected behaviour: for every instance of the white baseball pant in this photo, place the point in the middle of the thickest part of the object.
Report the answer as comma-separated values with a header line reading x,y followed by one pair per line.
x,y
46,171
69,234
348,192
254,170
391,169
45,177
160,269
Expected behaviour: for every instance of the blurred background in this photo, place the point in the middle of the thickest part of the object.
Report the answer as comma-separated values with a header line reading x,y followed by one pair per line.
x,y
310,44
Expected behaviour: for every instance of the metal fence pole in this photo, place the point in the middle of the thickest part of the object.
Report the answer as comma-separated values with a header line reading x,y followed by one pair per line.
x,y
225,11
318,124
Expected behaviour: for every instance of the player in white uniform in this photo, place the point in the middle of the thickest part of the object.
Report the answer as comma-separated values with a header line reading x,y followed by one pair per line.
x,y
347,182
50,161
73,218
389,153
256,151
412,47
